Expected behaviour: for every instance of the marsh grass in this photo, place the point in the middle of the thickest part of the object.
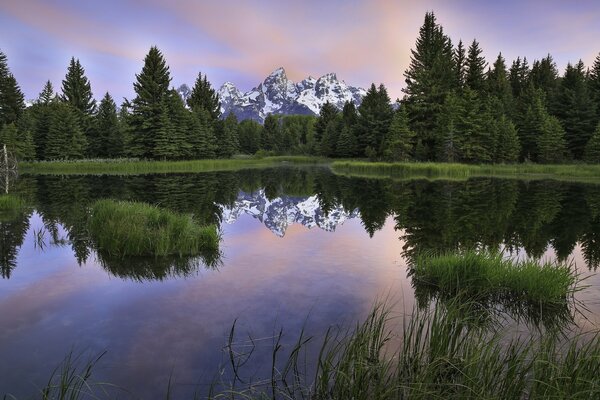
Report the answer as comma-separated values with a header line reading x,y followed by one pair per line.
x,y
482,274
140,167
11,207
415,170
122,229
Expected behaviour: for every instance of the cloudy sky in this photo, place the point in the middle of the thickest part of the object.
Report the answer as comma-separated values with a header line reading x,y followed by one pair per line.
x,y
243,41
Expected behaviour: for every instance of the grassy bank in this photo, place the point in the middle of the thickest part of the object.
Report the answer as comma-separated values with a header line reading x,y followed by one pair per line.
x,y
483,275
136,167
122,229
570,172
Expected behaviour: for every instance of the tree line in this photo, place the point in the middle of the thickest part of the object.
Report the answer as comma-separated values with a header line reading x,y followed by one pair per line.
x,y
455,108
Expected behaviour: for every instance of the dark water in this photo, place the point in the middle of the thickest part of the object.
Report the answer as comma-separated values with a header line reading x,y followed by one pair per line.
x,y
300,248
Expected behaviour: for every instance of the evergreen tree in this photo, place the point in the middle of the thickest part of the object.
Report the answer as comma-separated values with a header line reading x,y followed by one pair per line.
x,y
76,89
531,124
203,96
430,76
327,114
575,109
249,132
124,118
201,135
148,121
473,134
374,117
12,103
507,144
65,139
475,73
498,87
399,142
544,76
519,76
460,65
328,145
594,84
178,119
228,142
448,144
551,142
19,143
47,94
346,145
109,142
349,114
270,133
592,149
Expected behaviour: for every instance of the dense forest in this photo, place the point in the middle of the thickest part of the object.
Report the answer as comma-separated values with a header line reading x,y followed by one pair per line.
x,y
455,108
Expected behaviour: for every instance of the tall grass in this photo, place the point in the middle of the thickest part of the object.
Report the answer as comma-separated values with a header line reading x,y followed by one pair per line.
x,y
137,167
121,229
412,170
490,274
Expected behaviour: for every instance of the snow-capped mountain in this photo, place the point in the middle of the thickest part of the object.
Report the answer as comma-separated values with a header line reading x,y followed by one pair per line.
x,y
281,212
279,95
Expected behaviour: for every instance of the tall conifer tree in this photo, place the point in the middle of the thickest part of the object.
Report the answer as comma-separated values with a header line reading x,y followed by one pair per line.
x,y
475,72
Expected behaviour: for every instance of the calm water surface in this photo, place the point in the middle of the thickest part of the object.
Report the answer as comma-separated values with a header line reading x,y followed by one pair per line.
x,y
300,248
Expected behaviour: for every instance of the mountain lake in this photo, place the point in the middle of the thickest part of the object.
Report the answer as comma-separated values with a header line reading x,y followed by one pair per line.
x,y
301,248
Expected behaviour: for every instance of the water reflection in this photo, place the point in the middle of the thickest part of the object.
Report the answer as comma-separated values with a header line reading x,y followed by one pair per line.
x,y
516,215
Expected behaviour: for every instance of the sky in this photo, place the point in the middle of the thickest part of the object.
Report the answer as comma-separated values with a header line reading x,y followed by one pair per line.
x,y
243,41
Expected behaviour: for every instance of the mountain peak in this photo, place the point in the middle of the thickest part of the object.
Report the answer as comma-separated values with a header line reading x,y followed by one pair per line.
x,y
279,95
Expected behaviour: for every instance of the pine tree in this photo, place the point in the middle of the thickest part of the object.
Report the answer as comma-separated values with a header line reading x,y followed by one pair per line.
x,y
346,145
249,132
76,89
551,143
430,76
227,142
374,118
124,119
19,143
270,133
473,135
148,122
575,109
177,113
531,123
109,142
349,114
519,76
327,114
47,94
498,86
328,145
544,76
65,139
594,84
592,149
507,147
400,140
200,135
460,65
203,96
475,73
12,103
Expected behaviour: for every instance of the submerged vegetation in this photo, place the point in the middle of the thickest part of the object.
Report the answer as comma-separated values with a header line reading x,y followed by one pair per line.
x,y
123,229
412,170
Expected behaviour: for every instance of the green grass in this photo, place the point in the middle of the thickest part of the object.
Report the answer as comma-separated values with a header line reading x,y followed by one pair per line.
x,y
412,170
122,229
10,207
137,167
489,275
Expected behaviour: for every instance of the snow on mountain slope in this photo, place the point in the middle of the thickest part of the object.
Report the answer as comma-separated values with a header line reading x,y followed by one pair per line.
x,y
279,95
